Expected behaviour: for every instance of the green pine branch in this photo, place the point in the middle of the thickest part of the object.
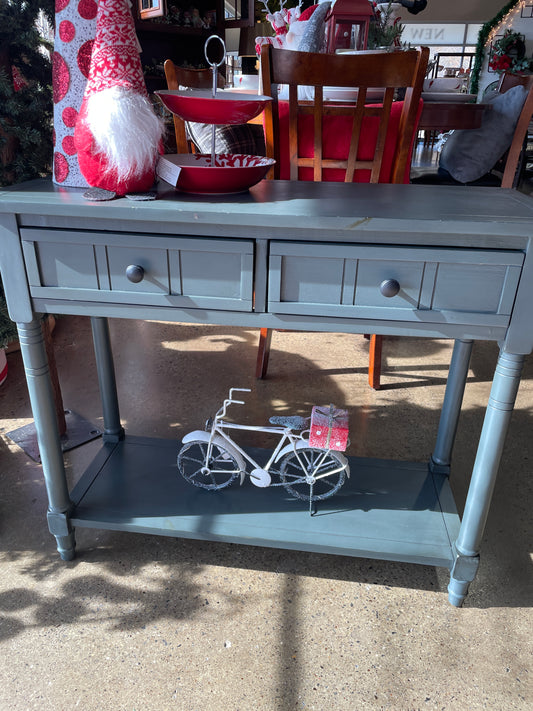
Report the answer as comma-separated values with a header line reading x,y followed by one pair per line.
x,y
482,38
26,116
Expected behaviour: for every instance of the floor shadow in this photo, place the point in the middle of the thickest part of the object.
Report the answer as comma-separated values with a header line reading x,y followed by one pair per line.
x,y
170,378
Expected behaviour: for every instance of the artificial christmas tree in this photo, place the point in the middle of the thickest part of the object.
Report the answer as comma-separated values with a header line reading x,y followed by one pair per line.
x,y
25,105
25,92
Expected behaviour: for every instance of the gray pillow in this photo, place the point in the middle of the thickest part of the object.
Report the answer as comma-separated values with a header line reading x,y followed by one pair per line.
x,y
471,153
314,34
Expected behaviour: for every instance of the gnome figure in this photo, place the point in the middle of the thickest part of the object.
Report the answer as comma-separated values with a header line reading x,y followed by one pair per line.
x,y
117,134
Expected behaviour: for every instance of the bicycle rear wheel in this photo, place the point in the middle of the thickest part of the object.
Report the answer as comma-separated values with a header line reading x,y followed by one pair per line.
x,y
217,473
311,474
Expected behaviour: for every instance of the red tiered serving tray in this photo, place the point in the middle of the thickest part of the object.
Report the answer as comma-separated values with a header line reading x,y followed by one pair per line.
x,y
200,106
214,174
232,173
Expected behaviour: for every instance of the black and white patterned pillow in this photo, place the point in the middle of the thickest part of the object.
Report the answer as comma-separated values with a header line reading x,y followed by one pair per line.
x,y
242,138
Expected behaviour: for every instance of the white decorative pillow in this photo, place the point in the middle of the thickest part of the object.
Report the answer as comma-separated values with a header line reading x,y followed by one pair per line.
x,y
469,154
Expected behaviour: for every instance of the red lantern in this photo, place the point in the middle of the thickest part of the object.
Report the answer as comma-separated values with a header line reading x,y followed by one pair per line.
x,y
348,25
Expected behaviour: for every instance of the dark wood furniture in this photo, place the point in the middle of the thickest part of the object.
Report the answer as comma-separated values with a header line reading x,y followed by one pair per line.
x,y
442,115
517,151
170,37
450,115
390,71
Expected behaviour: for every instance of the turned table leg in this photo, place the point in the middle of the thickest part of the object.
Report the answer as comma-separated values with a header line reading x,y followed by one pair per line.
x,y
500,406
32,348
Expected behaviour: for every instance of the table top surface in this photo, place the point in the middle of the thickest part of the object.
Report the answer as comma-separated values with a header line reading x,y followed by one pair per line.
x,y
272,201
435,220
451,115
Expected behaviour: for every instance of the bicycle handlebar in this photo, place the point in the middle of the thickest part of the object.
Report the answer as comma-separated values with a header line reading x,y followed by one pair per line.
x,y
230,401
237,390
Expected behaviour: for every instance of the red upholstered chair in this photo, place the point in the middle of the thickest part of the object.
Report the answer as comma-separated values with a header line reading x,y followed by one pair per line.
x,y
365,140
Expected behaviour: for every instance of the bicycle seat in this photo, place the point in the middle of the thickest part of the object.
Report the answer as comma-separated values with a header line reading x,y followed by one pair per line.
x,y
295,422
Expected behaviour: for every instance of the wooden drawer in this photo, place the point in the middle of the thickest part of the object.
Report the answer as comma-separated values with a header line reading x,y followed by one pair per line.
x,y
459,286
175,271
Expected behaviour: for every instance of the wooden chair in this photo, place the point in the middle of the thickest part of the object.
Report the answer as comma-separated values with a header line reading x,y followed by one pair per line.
x,y
385,157
196,79
514,161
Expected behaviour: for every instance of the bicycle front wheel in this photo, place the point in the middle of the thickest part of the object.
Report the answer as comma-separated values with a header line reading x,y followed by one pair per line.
x,y
312,474
217,473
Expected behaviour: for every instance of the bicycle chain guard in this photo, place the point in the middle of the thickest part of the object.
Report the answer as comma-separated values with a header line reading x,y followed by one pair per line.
x,y
260,478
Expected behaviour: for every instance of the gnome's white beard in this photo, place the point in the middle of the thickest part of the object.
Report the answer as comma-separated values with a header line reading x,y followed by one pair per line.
x,y
125,129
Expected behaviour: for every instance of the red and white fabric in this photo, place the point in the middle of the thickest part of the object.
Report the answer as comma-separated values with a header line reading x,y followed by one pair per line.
x,y
117,134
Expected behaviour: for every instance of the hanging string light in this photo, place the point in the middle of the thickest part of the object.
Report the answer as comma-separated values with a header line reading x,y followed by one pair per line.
x,y
506,20
486,35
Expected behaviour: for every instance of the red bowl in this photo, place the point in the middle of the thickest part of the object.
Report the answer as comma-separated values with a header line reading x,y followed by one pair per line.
x,y
232,173
200,106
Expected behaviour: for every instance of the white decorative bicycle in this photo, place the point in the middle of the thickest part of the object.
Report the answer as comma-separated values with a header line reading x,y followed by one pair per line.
x,y
211,459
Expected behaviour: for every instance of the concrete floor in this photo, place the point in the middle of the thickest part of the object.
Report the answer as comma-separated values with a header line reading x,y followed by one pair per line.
x,y
145,623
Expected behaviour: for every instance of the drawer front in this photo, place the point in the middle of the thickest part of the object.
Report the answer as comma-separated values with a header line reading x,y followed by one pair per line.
x,y
394,283
176,271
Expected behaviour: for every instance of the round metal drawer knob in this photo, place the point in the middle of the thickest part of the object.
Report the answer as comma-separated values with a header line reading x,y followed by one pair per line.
x,y
389,287
135,273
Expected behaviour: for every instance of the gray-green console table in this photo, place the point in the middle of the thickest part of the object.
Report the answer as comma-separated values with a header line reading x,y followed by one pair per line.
x,y
284,255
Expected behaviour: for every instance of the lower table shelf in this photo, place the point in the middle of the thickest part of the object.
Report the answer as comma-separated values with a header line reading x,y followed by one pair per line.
x,y
387,509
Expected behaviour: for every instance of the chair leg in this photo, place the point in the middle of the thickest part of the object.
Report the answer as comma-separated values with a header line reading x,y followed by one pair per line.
x,y
50,353
374,361
263,352
374,357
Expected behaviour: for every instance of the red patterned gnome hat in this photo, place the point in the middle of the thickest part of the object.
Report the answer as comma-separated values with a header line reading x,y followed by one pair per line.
x,y
117,134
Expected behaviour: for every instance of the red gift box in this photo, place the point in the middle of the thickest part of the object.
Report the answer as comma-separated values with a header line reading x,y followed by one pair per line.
x,y
329,428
